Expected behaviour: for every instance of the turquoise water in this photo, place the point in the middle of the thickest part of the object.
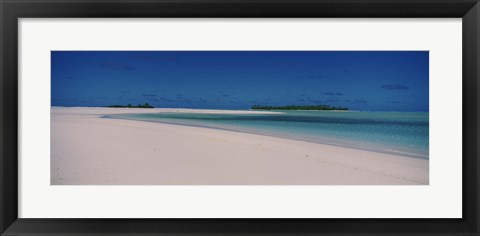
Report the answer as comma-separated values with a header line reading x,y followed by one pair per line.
x,y
402,133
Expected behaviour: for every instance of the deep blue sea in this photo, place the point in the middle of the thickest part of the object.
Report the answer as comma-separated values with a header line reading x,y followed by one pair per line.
x,y
402,133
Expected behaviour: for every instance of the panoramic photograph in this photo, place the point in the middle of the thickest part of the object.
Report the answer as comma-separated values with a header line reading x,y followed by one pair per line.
x,y
239,118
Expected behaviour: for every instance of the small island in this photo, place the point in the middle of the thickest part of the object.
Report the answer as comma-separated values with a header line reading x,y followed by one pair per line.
x,y
146,105
299,107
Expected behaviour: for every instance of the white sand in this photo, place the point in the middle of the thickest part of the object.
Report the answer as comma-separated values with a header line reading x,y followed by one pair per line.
x,y
87,149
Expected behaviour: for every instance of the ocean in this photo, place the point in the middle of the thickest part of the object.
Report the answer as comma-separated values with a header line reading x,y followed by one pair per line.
x,y
400,133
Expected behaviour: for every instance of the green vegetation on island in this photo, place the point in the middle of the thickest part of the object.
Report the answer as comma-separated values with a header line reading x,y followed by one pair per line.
x,y
146,105
299,107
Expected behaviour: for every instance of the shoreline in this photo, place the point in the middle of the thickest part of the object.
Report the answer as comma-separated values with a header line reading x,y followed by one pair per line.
x,y
87,149
392,152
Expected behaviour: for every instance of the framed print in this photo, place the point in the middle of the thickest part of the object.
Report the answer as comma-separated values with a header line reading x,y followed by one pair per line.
x,y
278,117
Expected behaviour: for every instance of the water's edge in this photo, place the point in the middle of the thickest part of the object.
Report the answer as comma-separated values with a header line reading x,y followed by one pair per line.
x,y
384,150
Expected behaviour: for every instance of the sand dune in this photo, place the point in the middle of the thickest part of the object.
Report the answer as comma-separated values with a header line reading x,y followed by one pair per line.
x,y
88,149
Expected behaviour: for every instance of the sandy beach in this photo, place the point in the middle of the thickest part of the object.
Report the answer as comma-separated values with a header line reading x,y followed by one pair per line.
x,y
89,150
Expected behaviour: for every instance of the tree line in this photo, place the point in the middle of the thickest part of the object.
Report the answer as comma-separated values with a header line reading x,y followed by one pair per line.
x,y
300,107
146,105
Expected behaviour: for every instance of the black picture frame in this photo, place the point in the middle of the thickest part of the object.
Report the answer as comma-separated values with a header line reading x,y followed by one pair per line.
x,y
12,10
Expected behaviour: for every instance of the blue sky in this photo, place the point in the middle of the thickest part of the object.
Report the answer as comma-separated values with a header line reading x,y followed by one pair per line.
x,y
359,80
